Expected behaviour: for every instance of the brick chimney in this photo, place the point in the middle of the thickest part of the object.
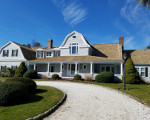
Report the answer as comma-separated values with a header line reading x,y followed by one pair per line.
x,y
121,41
50,43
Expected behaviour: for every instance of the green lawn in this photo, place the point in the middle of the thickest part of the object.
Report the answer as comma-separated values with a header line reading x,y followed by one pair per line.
x,y
140,92
45,98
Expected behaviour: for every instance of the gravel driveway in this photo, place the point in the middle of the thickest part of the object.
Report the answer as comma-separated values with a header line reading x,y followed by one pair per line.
x,y
91,102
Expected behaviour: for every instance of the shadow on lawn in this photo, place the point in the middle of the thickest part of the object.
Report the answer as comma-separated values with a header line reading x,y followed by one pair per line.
x,y
36,98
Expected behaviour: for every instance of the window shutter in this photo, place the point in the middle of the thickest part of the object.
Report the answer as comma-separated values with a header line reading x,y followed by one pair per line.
x,y
146,72
12,53
16,52
3,53
7,53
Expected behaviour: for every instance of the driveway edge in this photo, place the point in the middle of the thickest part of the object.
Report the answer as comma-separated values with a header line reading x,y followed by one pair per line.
x,y
50,111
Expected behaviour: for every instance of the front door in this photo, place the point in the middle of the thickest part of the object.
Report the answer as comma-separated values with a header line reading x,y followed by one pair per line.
x,y
71,70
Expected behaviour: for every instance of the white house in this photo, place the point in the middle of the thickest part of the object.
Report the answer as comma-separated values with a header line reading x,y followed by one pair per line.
x,y
12,54
74,56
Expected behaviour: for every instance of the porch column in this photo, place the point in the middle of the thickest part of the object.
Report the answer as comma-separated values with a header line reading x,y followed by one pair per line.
x,y
76,70
121,68
47,67
91,68
34,66
61,69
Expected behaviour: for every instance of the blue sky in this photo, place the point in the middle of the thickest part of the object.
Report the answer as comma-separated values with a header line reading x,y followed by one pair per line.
x,y
100,21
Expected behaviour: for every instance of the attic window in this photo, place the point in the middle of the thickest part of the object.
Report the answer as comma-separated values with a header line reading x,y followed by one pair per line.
x,y
73,36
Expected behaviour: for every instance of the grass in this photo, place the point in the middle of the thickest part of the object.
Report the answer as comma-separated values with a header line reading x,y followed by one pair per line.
x,y
45,98
141,92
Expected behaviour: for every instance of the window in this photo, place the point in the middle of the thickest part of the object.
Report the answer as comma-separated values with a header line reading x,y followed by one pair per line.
x,y
3,67
142,71
73,36
14,52
48,53
107,69
5,53
56,53
39,54
73,48
14,67
84,67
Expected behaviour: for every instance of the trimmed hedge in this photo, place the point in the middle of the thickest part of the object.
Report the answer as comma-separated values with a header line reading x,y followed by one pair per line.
x,y
7,72
20,70
30,84
55,76
12,93
105,77
77,77
32,74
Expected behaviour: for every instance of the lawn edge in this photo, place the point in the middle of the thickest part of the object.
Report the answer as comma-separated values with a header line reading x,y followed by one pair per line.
x,y
51,110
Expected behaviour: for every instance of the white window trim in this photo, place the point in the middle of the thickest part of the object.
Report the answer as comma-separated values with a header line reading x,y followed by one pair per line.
x,y
140,71
83,66
77,48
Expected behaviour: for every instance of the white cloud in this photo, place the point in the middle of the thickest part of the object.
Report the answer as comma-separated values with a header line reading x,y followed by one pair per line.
x,y
72,11
138,17
129,42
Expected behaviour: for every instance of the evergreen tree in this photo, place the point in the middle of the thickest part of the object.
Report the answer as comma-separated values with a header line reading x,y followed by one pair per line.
x,y
131,75
20,70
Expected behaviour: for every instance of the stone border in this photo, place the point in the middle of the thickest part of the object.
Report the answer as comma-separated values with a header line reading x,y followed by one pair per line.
x,y
50,111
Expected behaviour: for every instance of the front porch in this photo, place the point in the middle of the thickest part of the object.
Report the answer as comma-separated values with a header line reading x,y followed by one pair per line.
x,y
69,69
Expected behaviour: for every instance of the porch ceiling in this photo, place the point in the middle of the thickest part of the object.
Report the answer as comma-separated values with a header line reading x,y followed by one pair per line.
x,y
77,58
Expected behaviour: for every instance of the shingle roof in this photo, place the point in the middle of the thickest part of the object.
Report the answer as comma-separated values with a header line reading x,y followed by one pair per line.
x,y
76,58
28,53
110,51
102,52
139,56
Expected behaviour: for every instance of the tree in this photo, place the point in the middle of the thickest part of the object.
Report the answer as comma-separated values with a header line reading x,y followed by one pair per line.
x,y
36,44
144,2
20,70
148,47
131,75
28,45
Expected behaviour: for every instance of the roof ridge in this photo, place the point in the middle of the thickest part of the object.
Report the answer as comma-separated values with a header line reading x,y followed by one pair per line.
x,y
105,43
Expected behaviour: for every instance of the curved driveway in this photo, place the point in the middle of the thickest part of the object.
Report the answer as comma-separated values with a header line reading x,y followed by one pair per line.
x,y
91,102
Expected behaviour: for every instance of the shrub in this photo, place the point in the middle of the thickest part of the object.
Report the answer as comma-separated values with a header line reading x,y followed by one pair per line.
x,y
20,70
7,72
12,93
55,76
77,77
32,74
105,77
88,77
131,75
30,84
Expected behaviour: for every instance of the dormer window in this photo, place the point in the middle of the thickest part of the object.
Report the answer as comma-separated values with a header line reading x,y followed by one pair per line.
x,y
39,54
56,53
14,52
73,48
48,54
73,36
5,53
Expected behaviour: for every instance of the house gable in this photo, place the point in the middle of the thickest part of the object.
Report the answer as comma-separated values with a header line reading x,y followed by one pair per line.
x,y
74,37
10,47
78,40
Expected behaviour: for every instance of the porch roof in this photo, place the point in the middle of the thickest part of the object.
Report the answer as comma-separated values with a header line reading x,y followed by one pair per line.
x,y
77,58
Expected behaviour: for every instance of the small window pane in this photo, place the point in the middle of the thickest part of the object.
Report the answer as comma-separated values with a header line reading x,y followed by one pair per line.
x,y
74,50
107,68
113,69
102,69
73,36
